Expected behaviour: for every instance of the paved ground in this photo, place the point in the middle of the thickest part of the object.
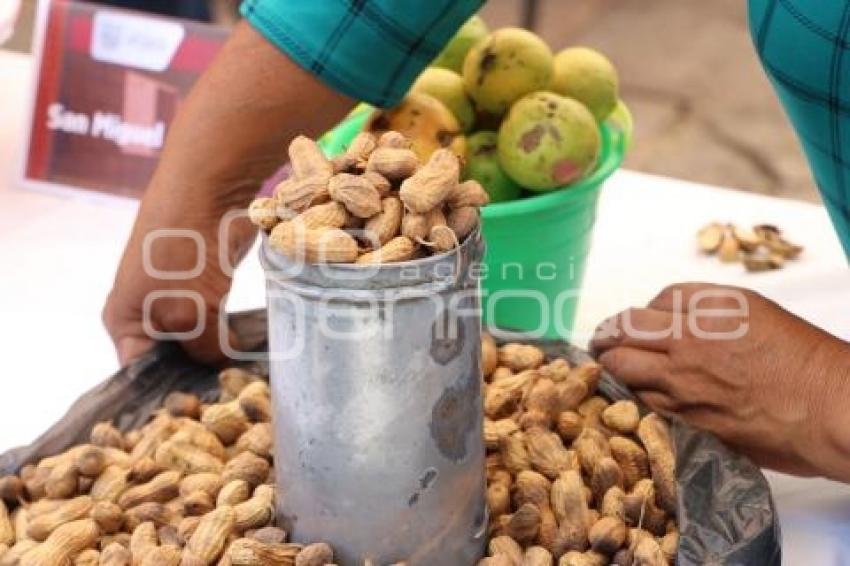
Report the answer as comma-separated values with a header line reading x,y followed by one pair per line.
x,y
703,108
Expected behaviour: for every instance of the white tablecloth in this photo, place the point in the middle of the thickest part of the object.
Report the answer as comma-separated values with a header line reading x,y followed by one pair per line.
x,y
58,255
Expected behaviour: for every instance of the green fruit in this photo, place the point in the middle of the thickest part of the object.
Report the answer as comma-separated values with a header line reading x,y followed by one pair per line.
x,y
548,141
482,164
507,65
621,120
589,77
453,54
424,121
447,87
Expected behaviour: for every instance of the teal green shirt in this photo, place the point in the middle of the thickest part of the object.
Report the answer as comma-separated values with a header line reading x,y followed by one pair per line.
x,y
370,50
804,46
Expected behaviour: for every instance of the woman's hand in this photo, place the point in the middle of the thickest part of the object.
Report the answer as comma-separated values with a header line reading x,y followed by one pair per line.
x,y
729,361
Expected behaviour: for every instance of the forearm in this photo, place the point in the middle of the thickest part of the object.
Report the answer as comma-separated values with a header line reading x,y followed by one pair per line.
x,y
232,130
831,370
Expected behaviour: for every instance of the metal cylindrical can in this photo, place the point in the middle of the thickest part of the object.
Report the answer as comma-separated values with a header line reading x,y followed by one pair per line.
x,y
376,389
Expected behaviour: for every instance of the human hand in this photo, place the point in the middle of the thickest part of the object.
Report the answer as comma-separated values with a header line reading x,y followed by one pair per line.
x,y
189,306
730,361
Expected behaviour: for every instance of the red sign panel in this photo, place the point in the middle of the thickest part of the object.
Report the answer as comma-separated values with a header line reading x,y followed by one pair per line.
x,y
109,84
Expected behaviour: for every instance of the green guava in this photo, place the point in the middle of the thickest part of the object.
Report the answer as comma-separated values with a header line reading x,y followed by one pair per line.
x,y
589,77
453,54
621,120
447,87
482,164
508,64
548,141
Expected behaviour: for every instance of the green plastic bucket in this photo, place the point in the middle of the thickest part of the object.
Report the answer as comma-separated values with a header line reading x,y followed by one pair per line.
x,y
536,246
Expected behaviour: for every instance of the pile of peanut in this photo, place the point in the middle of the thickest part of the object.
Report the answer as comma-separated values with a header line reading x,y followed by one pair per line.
x,y
572,478
192,487
376,203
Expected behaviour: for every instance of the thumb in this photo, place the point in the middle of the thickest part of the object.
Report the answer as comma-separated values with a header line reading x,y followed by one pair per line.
x,y
131,347
216,340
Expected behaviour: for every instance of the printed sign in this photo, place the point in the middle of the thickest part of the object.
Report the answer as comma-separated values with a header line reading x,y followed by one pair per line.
x,y
109,84
135,41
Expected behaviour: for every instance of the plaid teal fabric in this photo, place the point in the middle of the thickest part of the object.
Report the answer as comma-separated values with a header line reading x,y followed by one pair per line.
x,y
804,46
370,50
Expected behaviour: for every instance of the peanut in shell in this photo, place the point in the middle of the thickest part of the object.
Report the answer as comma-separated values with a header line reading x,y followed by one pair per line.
x,y
400,248
467,194
430,185
356,193
655,436
393,163
385,225
463,221
263,213
327,245
327,215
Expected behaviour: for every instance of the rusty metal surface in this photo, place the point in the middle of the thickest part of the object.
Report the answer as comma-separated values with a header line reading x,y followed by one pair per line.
x,y
359,462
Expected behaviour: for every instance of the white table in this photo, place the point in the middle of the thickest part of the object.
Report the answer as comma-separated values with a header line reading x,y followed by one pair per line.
x,y
58,256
